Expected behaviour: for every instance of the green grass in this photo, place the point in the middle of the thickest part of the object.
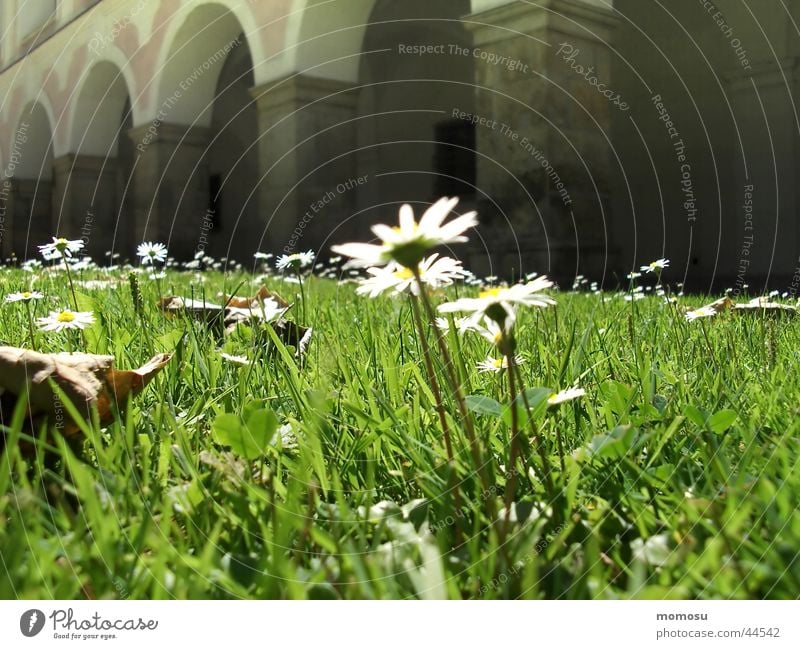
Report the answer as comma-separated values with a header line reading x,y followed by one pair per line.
x,y
679,475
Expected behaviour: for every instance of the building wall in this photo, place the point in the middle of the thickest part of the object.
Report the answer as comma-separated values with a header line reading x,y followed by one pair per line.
x,y
725,74
285,124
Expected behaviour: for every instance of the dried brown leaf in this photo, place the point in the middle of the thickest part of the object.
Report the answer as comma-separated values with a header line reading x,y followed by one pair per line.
x,y
252,302
85,379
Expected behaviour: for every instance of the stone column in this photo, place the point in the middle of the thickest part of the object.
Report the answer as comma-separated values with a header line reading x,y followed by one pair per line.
x,y
306,159
168,196
544,87
28,217
85,202
6,216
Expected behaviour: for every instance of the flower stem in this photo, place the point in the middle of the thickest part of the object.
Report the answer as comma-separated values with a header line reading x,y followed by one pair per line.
x,y
71,285
511,469
537,437
31,332
474,444
448,442
302,293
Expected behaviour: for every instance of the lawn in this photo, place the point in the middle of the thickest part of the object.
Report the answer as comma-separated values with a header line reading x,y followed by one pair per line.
x,y
326,474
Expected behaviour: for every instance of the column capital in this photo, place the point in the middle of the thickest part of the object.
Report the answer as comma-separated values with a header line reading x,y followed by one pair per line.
x,y
567,17
170,133
297,90
764,73
75,162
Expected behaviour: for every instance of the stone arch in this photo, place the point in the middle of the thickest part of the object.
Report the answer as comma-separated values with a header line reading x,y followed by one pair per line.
x,y
325,37
191,60
34,16
408,135
30,173
233,163
33,139
89,189
97,111
206,73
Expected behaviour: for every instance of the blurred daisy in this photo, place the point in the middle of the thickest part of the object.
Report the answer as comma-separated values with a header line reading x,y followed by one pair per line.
x,y
24,296
60,247
702,312
408,242
152,252
491,331
296,260
268,310
434,271
565,395
462,325
655,266
498,303
61,320
85,263
238,360
263,255
160,275
495,365
286,436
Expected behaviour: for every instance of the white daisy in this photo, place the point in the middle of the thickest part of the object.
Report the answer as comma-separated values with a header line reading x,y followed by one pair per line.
x,y
467,323
268,310
60,247
655,266
263,255
151,252
434,271
565,395
238,360
24,296
66,319
287,437
408,242
296,260
702,312
498,303
495,365
491,331
78,265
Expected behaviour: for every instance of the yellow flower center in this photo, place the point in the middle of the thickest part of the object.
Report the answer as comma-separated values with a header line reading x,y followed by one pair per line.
x,y
498,337
403,273
490,292
61,241
66,316
398,229
498,363
25,295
